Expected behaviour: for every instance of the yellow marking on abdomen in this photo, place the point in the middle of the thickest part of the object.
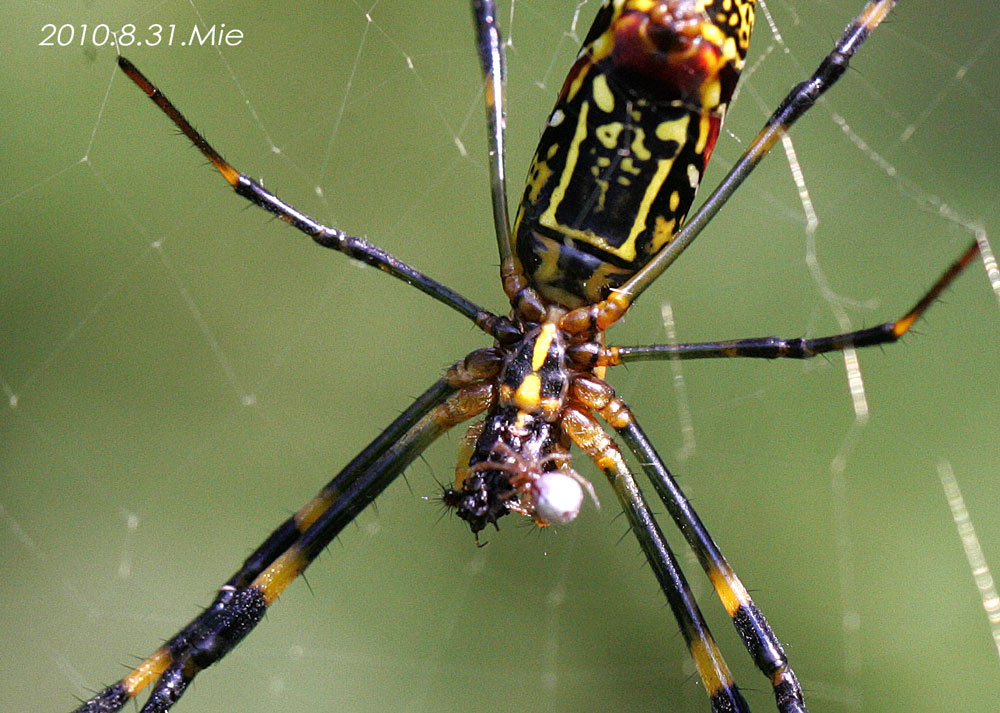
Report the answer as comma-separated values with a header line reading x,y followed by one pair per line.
x,y
639,224
548,218
603,96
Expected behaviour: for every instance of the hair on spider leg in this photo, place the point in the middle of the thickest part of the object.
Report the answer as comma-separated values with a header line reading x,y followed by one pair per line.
x,y
307,582
406,480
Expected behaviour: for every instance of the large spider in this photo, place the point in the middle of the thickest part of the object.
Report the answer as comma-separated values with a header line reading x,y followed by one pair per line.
x,y
611,185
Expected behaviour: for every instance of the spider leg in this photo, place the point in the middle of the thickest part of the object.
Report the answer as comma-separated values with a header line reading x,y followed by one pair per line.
x,y
584,430
352,246
799,348
756,633
794,105
242,601
494,63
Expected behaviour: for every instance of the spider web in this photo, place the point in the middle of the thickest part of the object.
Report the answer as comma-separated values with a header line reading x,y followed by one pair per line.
x,y
180,373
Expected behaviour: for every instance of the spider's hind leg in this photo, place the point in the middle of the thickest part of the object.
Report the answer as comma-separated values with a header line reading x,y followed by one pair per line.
x,y
723,692
755,632
464,392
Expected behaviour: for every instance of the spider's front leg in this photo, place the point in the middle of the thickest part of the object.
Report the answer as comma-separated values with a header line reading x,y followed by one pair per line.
x,y
326,236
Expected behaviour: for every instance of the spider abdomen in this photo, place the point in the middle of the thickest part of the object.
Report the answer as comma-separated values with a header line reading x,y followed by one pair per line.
x,y
625,147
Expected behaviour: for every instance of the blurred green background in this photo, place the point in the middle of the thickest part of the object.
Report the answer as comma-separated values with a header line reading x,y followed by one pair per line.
x,y
180,372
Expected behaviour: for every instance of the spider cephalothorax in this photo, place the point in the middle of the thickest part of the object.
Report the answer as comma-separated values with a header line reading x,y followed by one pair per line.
x,y
519,459
626,145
